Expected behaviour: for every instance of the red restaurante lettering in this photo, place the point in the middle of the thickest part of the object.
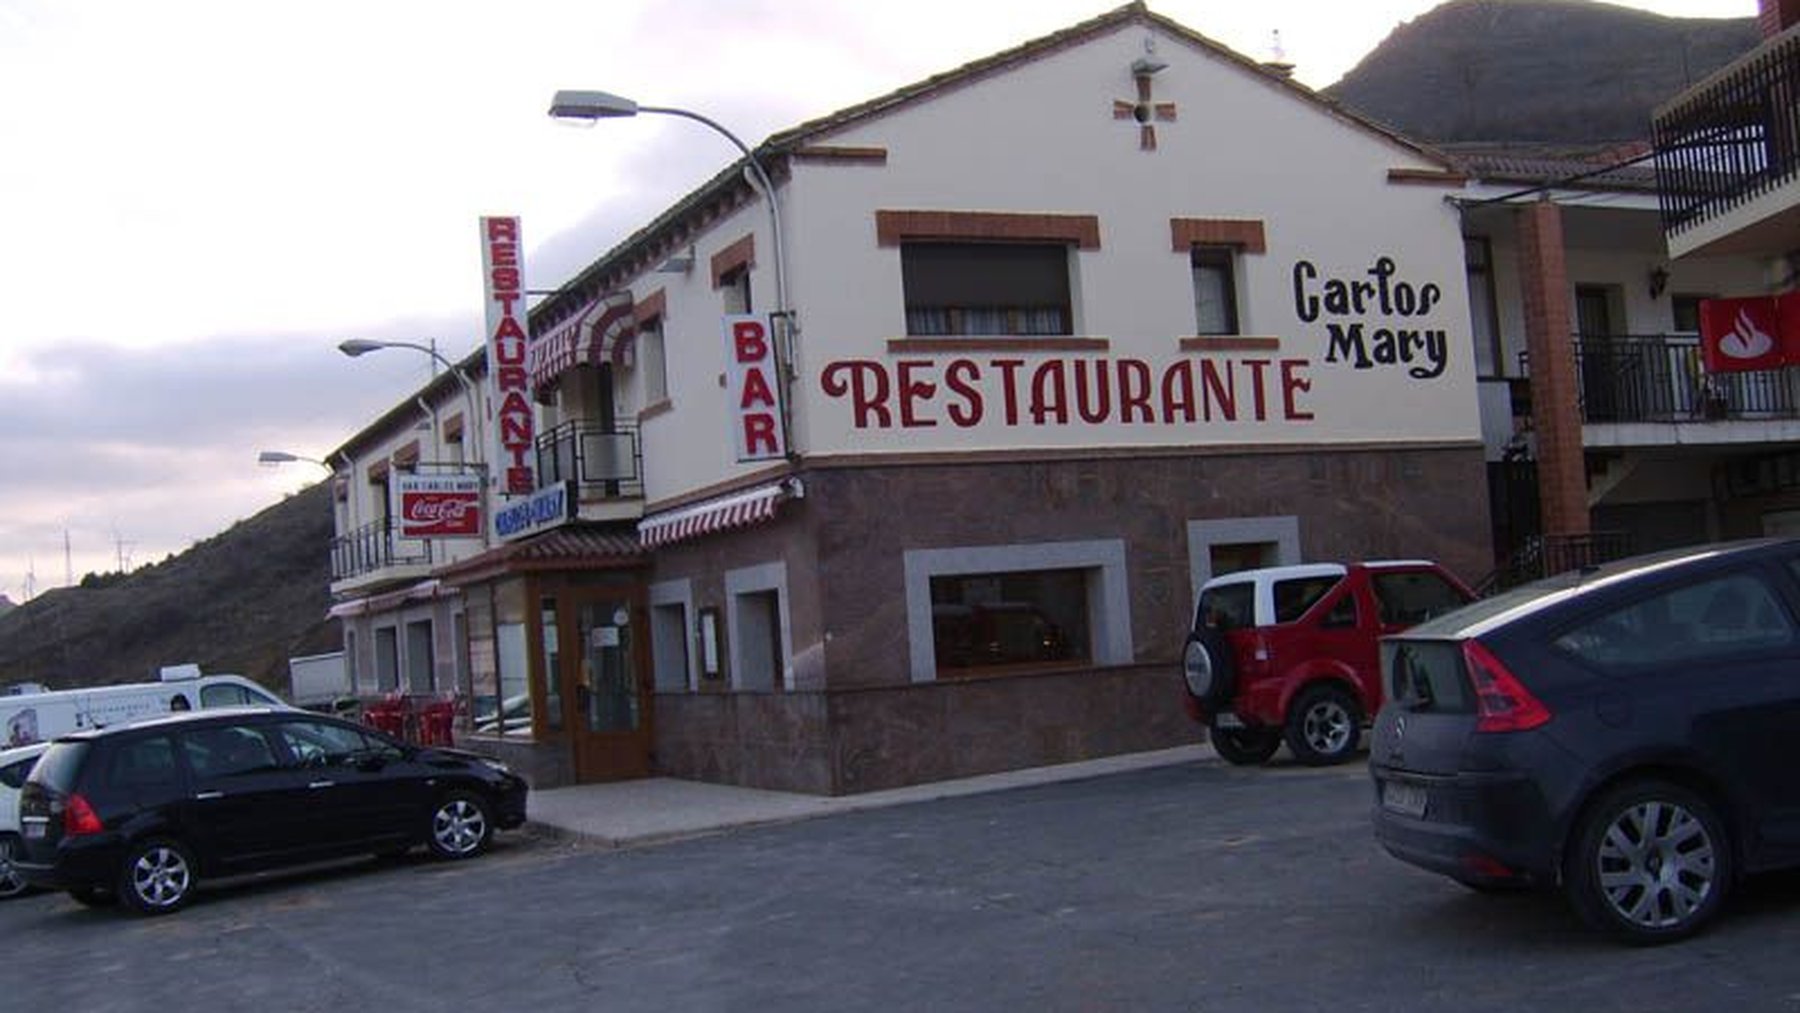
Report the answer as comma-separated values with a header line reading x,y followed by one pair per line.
x,y
918,393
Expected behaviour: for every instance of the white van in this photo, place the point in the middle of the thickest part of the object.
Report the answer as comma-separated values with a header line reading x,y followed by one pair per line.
x,y
38,717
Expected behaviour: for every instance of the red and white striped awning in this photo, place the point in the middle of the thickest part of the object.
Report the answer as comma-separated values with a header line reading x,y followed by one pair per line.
x,y
742,509
425,590
592,336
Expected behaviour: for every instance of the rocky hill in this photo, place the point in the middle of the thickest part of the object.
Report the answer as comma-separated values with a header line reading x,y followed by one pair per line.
x,y
1566,71
242,601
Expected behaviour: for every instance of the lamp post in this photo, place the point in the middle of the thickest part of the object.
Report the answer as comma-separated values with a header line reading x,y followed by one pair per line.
x,y
362,346
592,106
283,457
600,105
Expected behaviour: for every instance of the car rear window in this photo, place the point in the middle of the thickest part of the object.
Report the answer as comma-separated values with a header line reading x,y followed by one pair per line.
x,y
1409,598
144,763
1427,675
1293,597
1229,606
1714,618
60,765
13,774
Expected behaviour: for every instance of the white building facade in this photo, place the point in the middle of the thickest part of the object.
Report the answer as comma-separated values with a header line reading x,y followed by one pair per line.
x,y
1053,338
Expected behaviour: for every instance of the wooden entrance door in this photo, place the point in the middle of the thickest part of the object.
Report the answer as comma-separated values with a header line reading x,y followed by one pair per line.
x,y
605,681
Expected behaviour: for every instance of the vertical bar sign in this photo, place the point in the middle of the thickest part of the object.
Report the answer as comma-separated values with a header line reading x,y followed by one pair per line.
x,y
508,383
750,387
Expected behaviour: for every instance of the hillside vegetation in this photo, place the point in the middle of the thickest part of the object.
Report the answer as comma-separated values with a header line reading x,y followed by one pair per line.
x,y
242,601
1564,71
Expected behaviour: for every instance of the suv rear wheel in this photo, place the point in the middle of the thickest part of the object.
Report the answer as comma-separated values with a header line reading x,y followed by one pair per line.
x,y
1650,863
1324,725
1245,747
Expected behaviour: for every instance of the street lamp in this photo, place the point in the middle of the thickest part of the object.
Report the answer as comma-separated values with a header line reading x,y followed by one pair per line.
x,y
599,105
283,457
362,346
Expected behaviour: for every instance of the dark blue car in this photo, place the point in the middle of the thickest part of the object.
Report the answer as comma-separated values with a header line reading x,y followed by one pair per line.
x,y
144,813
1625,734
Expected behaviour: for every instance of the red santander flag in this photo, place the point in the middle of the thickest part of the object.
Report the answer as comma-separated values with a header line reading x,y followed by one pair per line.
x,y
1739,335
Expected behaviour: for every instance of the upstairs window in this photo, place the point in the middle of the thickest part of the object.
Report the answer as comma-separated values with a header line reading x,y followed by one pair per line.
x,y
653,360
734,289
1215,290
986,288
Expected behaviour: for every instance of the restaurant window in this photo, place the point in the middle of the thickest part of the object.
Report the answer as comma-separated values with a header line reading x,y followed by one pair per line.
x,y
1215,290
986,288
984,623
653,360
734,288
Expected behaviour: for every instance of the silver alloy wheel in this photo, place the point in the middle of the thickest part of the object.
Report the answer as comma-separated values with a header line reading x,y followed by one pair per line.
x,y
1328,726
11,885
160,877
458,827
1656,864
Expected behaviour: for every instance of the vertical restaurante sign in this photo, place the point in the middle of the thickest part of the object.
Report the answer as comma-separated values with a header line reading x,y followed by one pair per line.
x,y
509,384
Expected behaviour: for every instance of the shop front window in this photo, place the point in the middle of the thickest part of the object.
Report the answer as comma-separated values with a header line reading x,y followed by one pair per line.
x,y
988,623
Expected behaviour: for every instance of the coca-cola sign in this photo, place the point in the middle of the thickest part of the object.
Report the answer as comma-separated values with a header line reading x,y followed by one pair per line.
x,y
439,506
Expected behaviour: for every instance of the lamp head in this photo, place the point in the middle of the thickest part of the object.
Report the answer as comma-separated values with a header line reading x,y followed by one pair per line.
x,y
590,105
359,346
275,457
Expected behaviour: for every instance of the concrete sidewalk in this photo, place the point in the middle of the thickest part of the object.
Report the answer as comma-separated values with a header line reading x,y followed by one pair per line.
x,y
628,813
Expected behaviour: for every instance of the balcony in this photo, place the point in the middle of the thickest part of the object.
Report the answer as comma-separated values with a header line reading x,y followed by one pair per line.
x,y
1728,156
1657,379
605,463
373,548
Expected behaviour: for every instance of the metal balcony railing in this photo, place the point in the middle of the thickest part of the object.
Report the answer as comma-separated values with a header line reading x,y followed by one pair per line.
x,y
606,463
1540,556
370,548
1732,139
1657,378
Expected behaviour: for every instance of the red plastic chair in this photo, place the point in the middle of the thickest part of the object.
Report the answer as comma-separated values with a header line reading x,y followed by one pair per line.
x,y
437,723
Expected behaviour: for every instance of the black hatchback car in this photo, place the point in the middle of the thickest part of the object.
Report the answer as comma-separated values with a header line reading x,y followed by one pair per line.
x,y
143,813
1625,733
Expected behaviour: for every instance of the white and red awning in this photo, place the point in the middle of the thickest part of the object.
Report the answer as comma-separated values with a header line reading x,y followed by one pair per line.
x,y
592,336
425,590
738,510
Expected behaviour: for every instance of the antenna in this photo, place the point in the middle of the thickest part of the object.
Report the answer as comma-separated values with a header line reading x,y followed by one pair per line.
x,y
120,545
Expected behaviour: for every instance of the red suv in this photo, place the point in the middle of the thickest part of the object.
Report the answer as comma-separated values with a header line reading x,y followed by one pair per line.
x,y
1289,652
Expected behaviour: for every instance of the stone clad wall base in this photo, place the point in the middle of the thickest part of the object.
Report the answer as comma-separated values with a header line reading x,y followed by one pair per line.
x,y
544,765
850,741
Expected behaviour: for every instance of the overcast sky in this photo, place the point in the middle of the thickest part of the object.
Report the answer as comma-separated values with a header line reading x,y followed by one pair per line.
x,y
201,199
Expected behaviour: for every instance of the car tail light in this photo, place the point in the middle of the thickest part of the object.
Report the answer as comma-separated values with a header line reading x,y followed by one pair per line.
x,y
79,818
1502,703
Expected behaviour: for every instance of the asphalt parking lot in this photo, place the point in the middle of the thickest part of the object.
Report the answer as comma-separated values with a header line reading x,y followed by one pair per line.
x,y
1197,886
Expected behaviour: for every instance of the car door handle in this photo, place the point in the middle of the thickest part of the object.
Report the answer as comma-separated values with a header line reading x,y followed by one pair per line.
x,y
208,795
321,784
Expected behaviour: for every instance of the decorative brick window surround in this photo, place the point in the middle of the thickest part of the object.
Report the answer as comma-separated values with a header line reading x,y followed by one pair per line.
x,y
741,254
894,227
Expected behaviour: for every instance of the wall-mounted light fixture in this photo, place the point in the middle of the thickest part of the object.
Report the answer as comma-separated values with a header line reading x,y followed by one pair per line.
x,y
680,262
1659,281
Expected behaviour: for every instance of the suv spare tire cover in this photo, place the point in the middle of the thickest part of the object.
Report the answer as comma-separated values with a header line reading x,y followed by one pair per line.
x,y
1208,667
